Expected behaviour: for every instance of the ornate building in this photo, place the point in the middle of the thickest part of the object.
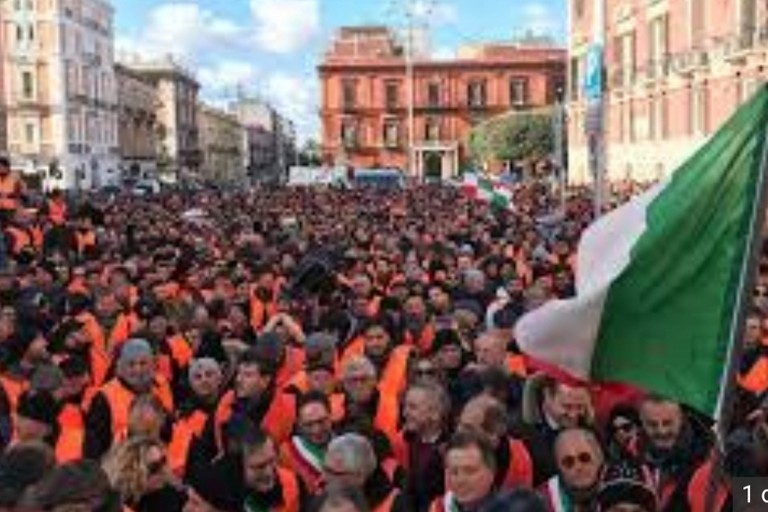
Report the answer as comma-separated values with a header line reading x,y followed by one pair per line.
x,y
365,98
676,70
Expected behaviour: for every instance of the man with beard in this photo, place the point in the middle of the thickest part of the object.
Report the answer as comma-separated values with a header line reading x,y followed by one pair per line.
x,y
579,459
267,485
419,330
304,452
673,448
107,414
550,406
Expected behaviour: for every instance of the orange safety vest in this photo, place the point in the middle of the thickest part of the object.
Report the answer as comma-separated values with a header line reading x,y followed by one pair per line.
x,y
10,190
194,422
516,365
99,356
520,471
20,239
261,313
698,490
124,327
14,388
57,212
291,496
424,342
294,362
69,446
121,398
392,379
387,416
278,422
84,241
755,380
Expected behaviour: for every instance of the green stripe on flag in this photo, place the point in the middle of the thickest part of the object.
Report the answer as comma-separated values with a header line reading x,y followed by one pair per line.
x,y
667,318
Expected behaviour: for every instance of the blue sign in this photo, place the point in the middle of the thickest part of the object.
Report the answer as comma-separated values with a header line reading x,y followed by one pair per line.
x,y
593,81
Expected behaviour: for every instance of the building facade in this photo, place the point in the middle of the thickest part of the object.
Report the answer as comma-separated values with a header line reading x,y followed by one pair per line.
x,y
138,103
271,140
675,70
221,141
59,89
178,153
365,91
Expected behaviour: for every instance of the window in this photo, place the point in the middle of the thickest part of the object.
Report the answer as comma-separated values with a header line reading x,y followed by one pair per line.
x,y
392,93
658,45
27,85
391,134
31,32
748,23
29,132
476,94
518,92
349,96
697,8
575,79
698,109
348,133
433,94
628,58
19,33
432,129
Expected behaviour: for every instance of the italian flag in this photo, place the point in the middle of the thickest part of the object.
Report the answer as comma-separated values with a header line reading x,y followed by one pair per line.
x,y
483,188
658,280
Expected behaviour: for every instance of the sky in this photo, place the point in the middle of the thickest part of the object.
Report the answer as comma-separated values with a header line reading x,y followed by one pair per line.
x,y
270,48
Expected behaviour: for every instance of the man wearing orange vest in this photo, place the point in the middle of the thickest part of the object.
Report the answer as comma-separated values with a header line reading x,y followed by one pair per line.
x,y
487,416
268,486
22,242
107,413
56,208
36,418
205,380
304,452
350,461
257,399
362,399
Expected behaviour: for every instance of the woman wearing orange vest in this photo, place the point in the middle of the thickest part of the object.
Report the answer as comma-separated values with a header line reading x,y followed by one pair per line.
x,y
107,412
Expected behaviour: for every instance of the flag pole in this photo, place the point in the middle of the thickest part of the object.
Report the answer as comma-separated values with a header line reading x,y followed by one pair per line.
x,y
747,278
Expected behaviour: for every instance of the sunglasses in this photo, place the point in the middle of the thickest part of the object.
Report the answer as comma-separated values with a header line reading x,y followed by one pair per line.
x,y
624,427
570,461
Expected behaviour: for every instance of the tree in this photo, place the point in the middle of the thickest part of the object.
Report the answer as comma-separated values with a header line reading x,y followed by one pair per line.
x,y
310,154
513,137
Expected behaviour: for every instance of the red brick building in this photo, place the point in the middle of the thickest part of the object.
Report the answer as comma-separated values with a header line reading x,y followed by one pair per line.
x,y
365,98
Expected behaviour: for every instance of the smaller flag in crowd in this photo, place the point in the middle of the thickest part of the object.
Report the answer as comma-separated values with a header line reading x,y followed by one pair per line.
x,y
490,190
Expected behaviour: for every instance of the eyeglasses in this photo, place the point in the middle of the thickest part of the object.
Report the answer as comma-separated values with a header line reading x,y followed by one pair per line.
x,y
570,461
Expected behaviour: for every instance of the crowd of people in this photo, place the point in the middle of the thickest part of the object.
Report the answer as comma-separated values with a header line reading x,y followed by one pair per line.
x,y
319,349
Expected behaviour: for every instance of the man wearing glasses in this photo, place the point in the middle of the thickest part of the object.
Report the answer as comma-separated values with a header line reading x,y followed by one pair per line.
x,y
579,460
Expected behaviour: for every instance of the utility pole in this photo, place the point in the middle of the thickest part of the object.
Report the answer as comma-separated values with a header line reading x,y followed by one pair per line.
x,y
594,91
559,124
415,12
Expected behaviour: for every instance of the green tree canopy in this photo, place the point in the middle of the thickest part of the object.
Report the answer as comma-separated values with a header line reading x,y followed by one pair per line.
x,y
513,137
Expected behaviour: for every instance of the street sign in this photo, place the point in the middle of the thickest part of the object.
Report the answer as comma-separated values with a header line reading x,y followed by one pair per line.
x,y
593,80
